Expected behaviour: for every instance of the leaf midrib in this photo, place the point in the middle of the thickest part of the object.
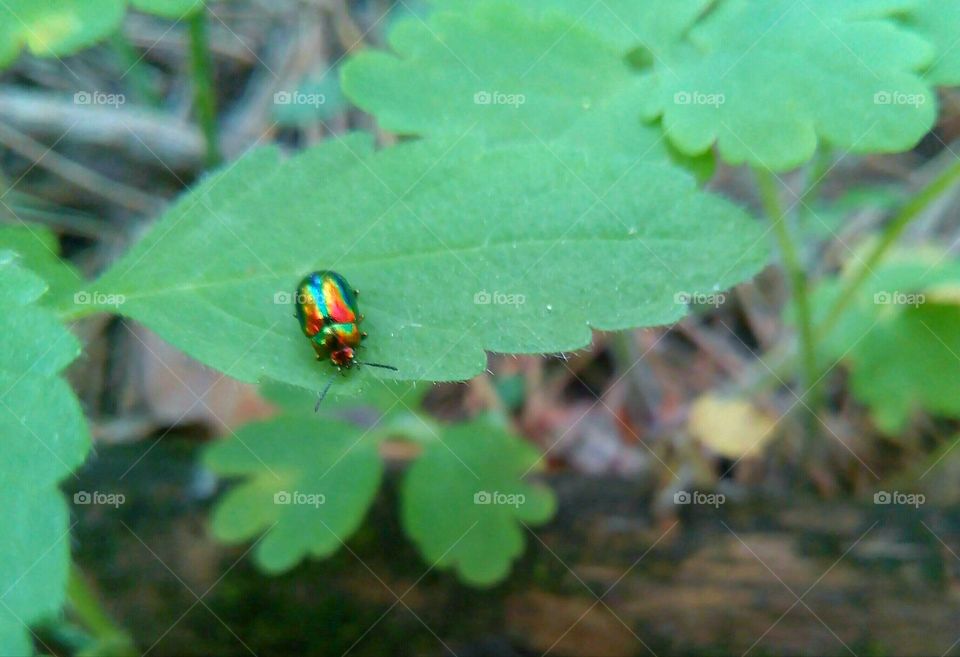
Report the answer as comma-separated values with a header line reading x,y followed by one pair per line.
x,y
372,262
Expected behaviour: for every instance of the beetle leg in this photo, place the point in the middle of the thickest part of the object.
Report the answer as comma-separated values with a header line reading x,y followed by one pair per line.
x,y
356,293
363,335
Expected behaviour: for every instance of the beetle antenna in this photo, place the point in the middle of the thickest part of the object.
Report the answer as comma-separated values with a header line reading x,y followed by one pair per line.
x,y
323,394
386,367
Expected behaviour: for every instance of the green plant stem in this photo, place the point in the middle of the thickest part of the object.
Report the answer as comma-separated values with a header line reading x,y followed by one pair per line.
x,y
204,95
91,614
821,166
767,185
911,211
783,359
136,70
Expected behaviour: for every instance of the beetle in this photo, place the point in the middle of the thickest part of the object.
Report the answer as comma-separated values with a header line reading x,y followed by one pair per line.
x,y
329,316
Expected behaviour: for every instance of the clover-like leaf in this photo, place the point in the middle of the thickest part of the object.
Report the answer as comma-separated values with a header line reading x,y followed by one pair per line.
x,y
55,28
455,248
465,502
768,79
625,24
939,22
492,71
316,99
39,252
306,483
901,340
42,438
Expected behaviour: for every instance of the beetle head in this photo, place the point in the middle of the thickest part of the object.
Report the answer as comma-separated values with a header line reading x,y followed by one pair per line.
x,y
343,357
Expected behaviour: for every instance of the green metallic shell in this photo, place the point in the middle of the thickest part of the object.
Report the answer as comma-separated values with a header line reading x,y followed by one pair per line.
x,y
326,307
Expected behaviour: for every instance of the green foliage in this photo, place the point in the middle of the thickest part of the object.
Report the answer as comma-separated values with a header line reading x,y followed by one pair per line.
x,y
901,340
39,252
456,249
308,484
827,217
493,71
34,561
766,79
43,437
385,396
394,405
939,22
541,203
315,99
464,501
55,28
625,24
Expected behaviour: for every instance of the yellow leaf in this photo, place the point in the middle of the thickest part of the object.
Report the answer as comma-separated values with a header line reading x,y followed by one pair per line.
x,y
730,427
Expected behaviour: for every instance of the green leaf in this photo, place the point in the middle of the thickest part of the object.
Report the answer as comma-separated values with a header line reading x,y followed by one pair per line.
x,y
13,638
456,249
939,22
41,425
172,9
42,438
396,407
34,562
39,252
464,501
314,100
495,72
388,397
625,24
768,79
306,483
55,28
901,340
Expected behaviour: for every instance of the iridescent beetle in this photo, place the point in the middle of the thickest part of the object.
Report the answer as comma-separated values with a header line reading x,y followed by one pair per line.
x,y
329,316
